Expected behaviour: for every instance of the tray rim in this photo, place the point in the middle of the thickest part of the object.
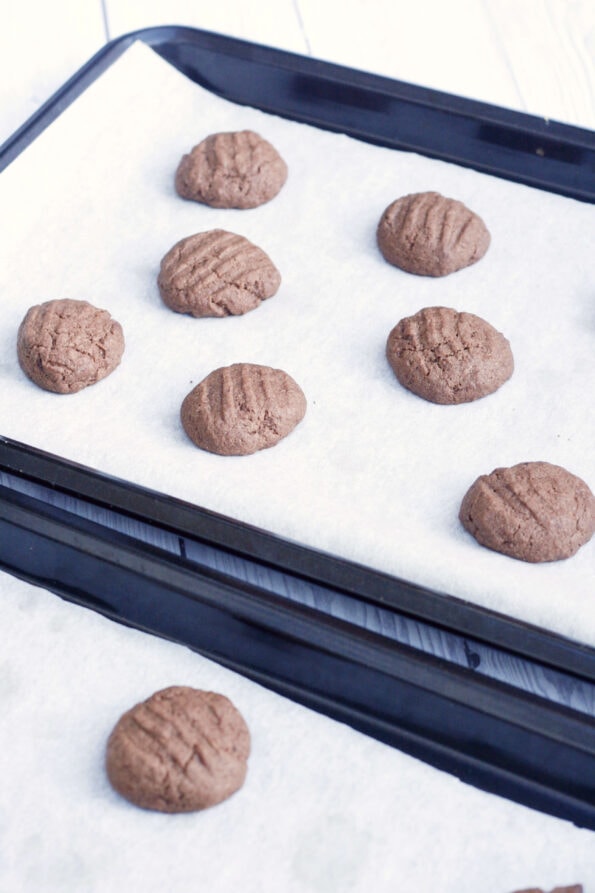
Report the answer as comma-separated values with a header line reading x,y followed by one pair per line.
x,y
441,609
17,516
521,123
502,740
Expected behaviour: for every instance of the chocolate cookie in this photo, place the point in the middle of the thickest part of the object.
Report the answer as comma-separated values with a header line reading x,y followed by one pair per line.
x,y
216,273
573,888
449,357
533,511
231,170
239,409
64,345
179,751
430,235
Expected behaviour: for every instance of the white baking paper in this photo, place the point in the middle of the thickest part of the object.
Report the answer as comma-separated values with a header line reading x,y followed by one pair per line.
x,y
324,809
373,473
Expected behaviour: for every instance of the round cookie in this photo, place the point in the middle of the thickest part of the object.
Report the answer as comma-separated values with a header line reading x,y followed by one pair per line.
x,y
216,273
181,750
449,357
231,170
430,235
243,408
533,511
65,345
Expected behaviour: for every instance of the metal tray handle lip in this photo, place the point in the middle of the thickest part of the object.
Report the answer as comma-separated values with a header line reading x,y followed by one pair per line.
x,y
187,520
327,633
414,94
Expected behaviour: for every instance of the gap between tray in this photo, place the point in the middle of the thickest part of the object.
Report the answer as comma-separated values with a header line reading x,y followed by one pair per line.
x,y
186,520
502,142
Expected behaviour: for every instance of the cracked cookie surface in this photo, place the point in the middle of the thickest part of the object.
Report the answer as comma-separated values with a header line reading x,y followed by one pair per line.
x,y
447,356
427,234
534,511
238,169
240,409
67,345
181,750
216,273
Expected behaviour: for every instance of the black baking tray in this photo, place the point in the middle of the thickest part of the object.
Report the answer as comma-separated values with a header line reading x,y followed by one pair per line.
x,y
489,733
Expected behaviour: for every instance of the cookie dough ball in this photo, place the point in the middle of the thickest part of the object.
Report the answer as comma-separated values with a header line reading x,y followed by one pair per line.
x,y
533,511
216,273
231,170
65,346
449,357
179,751
239,409
430,235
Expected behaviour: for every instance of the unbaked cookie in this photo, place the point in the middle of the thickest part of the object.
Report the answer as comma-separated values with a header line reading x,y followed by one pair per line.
x,y
239,409
216,273
533,511
179,751
66,345
430,235
231,170
446,356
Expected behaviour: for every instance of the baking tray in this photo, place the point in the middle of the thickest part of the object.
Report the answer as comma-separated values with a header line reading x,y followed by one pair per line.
x,y
494,735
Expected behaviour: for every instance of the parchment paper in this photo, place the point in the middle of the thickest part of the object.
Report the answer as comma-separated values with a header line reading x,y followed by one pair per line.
x,y
373,473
